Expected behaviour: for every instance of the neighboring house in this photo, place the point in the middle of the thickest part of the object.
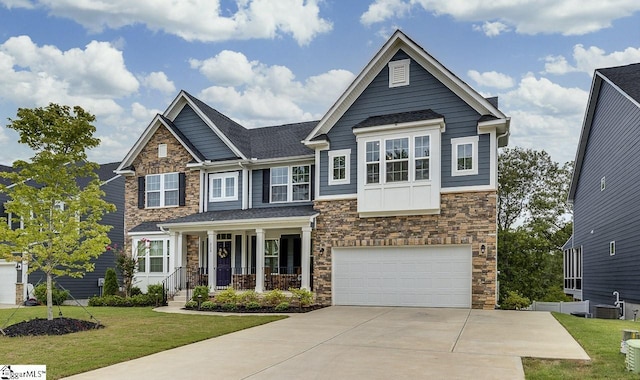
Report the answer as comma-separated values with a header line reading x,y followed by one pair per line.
x,y
602,255
11,274
88,286
389,199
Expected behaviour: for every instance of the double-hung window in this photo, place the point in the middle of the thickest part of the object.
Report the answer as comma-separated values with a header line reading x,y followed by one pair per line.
x,y
162,190
223,187
422,151
339,165
291,183
397,160
464,156
373,161
402,157
152,255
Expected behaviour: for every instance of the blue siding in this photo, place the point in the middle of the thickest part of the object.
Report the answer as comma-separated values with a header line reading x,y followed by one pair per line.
x,y
201,136
613,214
424,92
229,205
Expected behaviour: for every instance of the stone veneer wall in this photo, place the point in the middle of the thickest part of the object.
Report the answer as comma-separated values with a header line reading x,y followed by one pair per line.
x,y
147,162
465,218
19,293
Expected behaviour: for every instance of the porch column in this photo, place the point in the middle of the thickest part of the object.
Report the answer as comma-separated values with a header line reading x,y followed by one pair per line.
x,y
244,253
211,255
306,258
175,251
259,260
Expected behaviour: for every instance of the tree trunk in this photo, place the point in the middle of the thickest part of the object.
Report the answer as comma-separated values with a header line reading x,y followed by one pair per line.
x,y
49,297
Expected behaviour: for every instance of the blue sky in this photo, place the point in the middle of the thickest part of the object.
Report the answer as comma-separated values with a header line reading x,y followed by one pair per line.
x,y
266,62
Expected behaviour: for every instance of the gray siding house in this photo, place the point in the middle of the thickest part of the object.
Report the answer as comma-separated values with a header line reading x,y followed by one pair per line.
x,y
389,199
602,256
15,291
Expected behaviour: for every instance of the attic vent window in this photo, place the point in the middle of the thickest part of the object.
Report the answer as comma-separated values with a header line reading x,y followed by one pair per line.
x,y
399,73
162,150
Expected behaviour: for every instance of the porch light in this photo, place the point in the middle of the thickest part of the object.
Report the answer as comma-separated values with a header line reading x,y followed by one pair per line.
x,y
483,249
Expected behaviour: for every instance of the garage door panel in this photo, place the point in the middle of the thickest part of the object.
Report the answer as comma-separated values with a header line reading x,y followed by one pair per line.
x,y
7,283
398,276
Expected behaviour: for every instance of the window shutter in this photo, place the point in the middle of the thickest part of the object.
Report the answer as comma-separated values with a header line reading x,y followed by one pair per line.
x,y
182,189
266,182
312,183
141,190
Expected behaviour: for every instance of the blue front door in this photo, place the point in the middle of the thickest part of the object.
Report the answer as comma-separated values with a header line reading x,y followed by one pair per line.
x,y
223,263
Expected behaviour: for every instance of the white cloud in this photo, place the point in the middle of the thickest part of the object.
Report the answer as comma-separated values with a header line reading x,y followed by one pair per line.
x,y
17,4
381,10
545,115
568,17
492,29
491,79
587,60
158,81
258,95
197,20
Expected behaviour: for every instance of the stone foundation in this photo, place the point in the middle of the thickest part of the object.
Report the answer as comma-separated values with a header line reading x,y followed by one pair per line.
x,y
465,218
19,293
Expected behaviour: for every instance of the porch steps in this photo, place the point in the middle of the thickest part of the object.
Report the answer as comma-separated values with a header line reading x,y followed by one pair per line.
x,y
178,300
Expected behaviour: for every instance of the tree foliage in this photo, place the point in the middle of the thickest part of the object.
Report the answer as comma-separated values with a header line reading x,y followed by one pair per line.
x,y
56,195
126,265
533,222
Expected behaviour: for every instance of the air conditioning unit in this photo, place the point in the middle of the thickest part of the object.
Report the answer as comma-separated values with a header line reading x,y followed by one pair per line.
x,y
633,355
626,335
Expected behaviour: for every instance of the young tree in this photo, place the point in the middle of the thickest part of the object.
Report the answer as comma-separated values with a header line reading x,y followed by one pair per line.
x,y
533,222
61,231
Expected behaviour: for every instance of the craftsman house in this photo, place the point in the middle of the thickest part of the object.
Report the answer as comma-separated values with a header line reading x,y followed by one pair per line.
x,y
389,199
602,256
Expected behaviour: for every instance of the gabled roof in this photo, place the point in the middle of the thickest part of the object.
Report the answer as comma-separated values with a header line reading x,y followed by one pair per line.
x,y
624,79
281,140
397,42
397,118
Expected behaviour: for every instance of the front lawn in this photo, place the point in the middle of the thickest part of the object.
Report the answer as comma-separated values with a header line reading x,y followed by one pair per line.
x,y
600,338
130,333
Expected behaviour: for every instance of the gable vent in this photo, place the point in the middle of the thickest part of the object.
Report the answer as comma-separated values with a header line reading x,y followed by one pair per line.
x,y
399,73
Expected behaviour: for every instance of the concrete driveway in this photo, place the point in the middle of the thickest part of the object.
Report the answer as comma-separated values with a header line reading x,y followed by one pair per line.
x,y
366,343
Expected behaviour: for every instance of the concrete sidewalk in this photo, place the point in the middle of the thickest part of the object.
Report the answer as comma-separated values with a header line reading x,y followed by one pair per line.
x,y
365,343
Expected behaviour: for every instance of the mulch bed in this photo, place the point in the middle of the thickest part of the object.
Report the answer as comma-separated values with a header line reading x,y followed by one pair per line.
x,y
242,309
56,326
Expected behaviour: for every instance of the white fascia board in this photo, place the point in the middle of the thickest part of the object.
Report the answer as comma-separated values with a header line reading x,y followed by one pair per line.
x,y
147,233
317,144
400,127
337,197
397,41
125,172
118,175
468,189
294,160
242,224
218,165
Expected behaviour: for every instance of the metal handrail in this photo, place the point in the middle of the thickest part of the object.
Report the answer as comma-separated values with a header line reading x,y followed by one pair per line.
x,y
172,284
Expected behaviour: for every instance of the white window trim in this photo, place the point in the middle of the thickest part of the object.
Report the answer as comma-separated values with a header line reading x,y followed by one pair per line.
x,y
382,162
473,140
393,65
289,185
162,150
347,167
225,197
166,254
162,191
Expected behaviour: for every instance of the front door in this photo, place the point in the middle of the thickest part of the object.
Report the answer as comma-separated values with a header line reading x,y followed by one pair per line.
x,y
223,263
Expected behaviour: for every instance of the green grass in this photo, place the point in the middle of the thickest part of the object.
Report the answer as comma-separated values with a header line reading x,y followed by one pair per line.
x,y
600,338
130,333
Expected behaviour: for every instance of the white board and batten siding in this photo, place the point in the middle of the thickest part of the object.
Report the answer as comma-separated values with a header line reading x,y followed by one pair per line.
x,y
434,276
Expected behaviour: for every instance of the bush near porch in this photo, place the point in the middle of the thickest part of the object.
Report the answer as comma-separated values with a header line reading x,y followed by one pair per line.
x,y
229,300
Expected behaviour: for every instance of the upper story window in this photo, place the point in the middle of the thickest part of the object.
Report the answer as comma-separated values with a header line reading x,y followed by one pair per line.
x,y
162,190
162,150
399,73
290,183
464,156
223,187
339,167
402,157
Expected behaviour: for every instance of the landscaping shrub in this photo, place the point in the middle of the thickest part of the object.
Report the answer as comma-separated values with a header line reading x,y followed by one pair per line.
x,y
229,306
119,301
110,283
156,292
191,304
201,290
135,291
274,297
282,306
515,301
250,296
556,294
226,296
304,297
207,305
252,305
58,296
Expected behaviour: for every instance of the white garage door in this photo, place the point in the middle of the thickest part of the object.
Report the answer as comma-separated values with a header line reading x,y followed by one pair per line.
x,y
7,283
402,276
